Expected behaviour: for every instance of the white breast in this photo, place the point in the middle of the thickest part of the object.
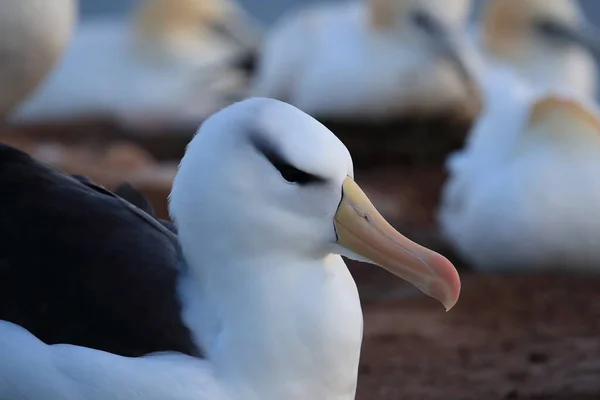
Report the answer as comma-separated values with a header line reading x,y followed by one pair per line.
x,y
536,212
503,208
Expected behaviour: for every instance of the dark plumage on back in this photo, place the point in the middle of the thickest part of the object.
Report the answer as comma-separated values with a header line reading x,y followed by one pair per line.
x,y
80,265
135,197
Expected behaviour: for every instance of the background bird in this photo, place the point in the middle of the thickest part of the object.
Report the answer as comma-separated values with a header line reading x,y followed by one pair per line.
x,y
171,60
550,44
533,208
33,36
375,58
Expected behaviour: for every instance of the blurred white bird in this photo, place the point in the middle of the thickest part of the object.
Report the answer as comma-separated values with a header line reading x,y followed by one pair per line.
x,y
171,60
533,205
548,43
370,59
507,97
33,35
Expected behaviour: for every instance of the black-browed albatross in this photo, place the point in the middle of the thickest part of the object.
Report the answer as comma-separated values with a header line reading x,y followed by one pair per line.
x,y
264,203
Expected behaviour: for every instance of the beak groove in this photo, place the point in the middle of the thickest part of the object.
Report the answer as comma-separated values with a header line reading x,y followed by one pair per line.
x,y
363,231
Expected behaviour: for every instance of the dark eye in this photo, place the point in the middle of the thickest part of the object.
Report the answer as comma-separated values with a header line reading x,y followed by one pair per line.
x,y
552,29
426,22
293,174
287,171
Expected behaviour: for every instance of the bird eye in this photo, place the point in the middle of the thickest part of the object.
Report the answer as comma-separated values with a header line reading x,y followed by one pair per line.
x,y
426,22
287,171
551,29
293,174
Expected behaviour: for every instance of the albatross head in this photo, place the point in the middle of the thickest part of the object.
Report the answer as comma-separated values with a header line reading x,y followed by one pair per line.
x,y
263,179
514,29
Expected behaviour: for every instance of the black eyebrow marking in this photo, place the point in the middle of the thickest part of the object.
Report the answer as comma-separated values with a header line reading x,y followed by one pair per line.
x,y
287,171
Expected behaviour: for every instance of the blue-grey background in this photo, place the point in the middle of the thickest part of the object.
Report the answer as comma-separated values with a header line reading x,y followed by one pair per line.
x,y
268,10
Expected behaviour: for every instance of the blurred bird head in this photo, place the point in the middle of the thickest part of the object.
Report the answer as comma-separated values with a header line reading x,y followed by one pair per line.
x,y
564,122
33,36
406,14
517,29
434,25
187,24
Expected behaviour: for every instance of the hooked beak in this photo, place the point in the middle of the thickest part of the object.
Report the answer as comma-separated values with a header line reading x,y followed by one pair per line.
x,y
583,35
362,230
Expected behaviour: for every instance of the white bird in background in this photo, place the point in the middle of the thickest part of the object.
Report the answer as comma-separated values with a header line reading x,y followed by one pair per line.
x,y
172,60
33,36
548,42
533,207
377,58
264,203
507,98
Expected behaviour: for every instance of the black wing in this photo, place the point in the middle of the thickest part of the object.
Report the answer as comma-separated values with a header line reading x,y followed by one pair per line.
x,y
81,265
135,197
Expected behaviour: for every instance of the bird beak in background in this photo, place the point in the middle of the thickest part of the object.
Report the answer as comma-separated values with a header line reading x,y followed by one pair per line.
x,y
445,46
585,36
363,231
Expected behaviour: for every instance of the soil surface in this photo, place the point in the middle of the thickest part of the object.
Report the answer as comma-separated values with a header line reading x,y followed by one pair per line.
x,y
509,337
525,337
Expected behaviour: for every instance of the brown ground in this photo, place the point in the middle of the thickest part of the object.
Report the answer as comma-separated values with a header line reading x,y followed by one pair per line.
x,y
507,338
526,337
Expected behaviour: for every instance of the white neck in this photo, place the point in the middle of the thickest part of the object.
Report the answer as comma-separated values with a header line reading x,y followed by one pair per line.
x,y
275,328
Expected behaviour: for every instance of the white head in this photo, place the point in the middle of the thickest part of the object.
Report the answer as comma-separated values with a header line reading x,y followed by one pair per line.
x,y
33,36
193,25
267,180
518,30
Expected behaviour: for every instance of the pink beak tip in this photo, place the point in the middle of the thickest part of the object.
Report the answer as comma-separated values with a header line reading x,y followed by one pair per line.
x,y
449,279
